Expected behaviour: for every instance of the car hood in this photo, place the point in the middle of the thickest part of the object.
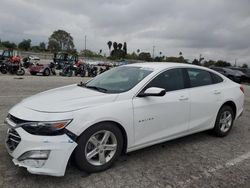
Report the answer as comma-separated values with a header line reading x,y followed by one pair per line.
x,y
66,99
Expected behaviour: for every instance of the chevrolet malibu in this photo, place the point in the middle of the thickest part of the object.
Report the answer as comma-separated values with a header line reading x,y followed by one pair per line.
x,y
122,110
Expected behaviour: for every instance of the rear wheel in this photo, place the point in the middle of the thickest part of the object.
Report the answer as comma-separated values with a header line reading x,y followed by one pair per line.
x,y
224,121
98,147
46,72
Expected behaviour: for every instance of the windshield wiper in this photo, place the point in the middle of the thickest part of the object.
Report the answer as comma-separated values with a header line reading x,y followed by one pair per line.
x,y
97,88
82,84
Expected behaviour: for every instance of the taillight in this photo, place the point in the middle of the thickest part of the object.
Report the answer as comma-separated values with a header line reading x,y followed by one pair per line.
x,y
241,88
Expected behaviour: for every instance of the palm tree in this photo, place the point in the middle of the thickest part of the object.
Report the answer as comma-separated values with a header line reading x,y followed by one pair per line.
x,y
138,51
180,53
119,46
109,45
115,46
160,53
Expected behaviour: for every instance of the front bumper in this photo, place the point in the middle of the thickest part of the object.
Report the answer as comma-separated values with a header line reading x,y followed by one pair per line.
x,y
60,148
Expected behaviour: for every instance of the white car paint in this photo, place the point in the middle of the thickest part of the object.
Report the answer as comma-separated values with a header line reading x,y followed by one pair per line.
x,y
146,121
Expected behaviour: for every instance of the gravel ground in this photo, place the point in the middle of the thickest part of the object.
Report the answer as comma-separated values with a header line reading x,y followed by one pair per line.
x,y
199,160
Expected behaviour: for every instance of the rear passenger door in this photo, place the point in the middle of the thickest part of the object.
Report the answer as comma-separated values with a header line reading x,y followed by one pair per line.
x,y
205,96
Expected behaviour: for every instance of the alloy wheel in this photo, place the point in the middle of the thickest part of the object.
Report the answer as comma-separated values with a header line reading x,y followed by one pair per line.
x,y
226,120
101,147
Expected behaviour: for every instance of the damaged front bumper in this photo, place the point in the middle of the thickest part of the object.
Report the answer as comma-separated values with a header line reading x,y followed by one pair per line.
x,y
45,155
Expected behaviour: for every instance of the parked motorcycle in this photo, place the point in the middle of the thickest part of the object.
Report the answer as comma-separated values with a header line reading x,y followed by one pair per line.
x,y
80,69
92,71
12,68
67,70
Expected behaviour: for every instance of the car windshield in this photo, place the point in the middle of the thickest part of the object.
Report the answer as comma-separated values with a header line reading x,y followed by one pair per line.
x,y
118,80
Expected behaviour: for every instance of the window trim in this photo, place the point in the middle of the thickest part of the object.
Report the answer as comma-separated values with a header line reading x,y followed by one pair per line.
x,y
210,72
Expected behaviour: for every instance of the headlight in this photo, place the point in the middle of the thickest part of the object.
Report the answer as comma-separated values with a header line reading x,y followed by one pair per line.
x,y
46,128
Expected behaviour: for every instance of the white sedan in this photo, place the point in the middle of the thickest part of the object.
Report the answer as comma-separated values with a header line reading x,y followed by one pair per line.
x,y
122,110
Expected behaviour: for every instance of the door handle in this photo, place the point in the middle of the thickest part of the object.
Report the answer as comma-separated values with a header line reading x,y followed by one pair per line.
x,y
216,92
182,98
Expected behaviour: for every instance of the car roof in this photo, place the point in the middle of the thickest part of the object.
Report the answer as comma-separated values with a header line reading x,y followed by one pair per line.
x,y
164,65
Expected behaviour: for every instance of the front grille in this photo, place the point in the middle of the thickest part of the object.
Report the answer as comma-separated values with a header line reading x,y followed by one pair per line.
x,y
13,139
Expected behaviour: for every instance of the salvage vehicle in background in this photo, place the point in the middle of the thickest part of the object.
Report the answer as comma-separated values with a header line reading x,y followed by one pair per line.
x,y
44,69
121,110
10,55
231,74
12,68
246,71
62,58
10,62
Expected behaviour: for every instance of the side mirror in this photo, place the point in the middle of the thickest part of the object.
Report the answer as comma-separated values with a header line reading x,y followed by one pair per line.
x,y
153,91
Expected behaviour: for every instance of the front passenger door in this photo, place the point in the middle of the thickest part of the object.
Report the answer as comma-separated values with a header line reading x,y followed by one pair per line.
x,y
157,118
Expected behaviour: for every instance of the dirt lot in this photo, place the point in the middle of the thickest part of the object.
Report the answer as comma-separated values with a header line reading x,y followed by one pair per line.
x,y
199,160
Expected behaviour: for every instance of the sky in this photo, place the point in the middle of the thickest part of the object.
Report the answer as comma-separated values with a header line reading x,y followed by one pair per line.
x,y
217,29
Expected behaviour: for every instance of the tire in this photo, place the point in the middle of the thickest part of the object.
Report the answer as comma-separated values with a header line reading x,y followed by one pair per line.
x,y
85,146
46,72
222,129
83,73
20,72
4,71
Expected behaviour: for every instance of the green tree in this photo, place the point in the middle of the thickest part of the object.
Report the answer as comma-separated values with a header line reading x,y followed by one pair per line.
x,y
145,56
8,44
42,46
208,63
132,56
61,40
138,51
221,63
244,65
109,45
196,62
115,45
119,46
25,44
125,48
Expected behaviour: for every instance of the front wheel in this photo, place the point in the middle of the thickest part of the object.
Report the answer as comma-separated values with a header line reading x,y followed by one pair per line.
x,y
98,147
224,121
20,72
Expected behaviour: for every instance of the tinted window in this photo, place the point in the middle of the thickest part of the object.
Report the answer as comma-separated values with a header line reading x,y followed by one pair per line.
x,y
199,77
170,80
216,78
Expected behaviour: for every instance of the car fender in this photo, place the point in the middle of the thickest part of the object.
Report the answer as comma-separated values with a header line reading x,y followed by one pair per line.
x,y
85,118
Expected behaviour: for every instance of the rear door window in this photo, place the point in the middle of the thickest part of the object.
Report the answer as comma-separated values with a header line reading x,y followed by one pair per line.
x,y
199,77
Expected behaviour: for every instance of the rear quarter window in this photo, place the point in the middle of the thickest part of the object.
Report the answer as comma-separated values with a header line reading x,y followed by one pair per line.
x,y
216,78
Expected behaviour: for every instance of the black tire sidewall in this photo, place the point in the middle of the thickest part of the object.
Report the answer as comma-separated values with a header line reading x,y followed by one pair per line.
x,y
46,72
20,72
79,153
217,129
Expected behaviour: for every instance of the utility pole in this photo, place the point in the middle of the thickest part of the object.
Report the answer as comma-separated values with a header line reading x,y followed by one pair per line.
x,y
153,52
85,42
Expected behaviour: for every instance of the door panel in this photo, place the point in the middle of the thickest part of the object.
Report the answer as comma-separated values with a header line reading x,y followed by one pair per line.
x,y
157,117
160,117
204,99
